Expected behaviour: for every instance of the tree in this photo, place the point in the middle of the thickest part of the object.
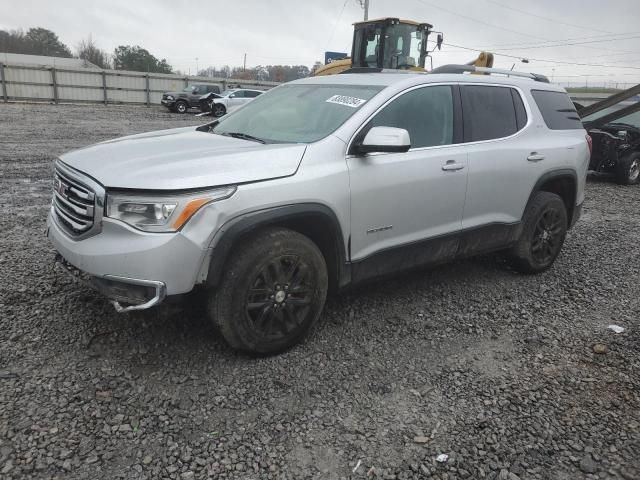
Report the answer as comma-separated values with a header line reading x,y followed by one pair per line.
x,y
37,41
89,51
138,59
45,42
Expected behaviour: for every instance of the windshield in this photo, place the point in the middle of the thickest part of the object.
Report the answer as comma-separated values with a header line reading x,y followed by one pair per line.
x,y
297,113
631,119
188,89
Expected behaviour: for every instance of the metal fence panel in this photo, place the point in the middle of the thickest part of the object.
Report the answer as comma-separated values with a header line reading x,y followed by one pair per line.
x,y
73,94
30,92
89,79
26,82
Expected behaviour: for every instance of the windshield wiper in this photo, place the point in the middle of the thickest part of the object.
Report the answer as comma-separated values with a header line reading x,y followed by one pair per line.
x,y
243,136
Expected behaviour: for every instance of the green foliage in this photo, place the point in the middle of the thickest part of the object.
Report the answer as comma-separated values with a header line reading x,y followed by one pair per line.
x,y
37,41
136,58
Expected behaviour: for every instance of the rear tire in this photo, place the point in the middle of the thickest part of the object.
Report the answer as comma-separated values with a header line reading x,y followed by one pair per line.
x,y
181,106
543,234
627,169
272,292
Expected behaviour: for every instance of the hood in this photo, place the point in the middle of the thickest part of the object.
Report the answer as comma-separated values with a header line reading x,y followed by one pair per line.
x,y
183,158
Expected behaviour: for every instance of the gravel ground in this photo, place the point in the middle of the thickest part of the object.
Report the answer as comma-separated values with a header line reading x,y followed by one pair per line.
x,y
472,360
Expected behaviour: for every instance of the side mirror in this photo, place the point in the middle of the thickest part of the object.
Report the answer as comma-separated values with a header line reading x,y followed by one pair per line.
x,y
385,139
440,39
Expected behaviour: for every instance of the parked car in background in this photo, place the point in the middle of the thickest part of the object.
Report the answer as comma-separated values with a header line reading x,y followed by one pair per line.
x,y
227,101
187,98
323,183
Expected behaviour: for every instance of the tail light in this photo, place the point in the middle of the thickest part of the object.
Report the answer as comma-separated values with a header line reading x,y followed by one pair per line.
x,y
589,143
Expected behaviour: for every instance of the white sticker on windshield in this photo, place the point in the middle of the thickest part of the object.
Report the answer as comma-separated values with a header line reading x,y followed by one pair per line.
x,y
352,102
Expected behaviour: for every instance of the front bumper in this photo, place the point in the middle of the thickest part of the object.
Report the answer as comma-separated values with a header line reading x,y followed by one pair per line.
x,y
129,265
134,293
167,103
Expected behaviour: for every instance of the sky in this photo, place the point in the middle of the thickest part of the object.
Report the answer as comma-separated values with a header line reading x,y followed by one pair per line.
x,y
216,33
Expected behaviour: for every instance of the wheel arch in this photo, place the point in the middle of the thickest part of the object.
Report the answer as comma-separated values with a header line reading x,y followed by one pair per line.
x,y
316,221
562,182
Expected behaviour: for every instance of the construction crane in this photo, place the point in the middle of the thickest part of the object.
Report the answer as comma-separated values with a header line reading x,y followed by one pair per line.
x,y
391,43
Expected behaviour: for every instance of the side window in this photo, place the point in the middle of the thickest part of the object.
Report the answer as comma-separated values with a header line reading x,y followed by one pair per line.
x,y
426,113
251,93
521,113
489,112
238,94
558,111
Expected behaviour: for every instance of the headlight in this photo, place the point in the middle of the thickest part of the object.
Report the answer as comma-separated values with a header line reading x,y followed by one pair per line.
x,y
161,213
169,97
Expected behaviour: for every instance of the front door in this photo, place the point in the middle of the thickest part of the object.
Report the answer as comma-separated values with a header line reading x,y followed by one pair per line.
x,y
406,208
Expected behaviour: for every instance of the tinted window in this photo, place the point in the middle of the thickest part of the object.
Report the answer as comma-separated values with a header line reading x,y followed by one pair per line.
x,y
521,113
426,113
489,112
238,94
557,109
251,93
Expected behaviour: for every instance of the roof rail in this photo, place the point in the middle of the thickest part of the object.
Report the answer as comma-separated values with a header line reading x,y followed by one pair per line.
x,y
453,68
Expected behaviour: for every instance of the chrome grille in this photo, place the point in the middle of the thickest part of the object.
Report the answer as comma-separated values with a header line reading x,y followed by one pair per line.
x,y
75,202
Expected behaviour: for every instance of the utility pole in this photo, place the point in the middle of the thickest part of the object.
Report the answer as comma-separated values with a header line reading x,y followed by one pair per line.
x,y
244,65
365,5
196,65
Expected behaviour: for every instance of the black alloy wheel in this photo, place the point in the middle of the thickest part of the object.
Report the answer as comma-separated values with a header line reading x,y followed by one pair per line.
x,y
548,236
278,300
271,293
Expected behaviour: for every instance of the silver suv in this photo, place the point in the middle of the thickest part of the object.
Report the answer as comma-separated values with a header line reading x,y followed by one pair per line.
x,y
320,184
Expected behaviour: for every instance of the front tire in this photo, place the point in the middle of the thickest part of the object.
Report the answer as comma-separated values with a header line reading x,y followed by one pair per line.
x,y
218,110
181,107
627,169
543,234
272,293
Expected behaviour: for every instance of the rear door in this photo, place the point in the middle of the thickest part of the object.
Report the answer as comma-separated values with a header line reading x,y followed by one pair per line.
x,y
402,201
235,100
507,155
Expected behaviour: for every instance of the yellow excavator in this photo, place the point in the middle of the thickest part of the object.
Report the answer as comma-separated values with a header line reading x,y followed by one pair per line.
x,y
391,43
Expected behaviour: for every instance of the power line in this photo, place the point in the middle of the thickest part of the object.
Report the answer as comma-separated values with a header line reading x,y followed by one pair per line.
x,y
545,59
438,7
473,19
335,25
566,44
553,20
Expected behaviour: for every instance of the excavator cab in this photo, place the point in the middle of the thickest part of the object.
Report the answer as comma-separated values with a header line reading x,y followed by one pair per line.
x,y
390,43
386,43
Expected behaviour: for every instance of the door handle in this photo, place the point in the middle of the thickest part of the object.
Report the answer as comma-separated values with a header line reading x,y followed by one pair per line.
x,y
452,165
535,157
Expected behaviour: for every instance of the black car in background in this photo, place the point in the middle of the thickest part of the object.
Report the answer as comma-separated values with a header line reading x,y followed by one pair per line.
x,y
188,98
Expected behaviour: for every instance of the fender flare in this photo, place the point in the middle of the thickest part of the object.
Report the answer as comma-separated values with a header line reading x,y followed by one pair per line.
x,y
558,173
227,236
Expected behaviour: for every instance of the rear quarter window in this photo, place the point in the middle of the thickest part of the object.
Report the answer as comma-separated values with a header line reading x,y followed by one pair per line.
x,y
491,112
557,110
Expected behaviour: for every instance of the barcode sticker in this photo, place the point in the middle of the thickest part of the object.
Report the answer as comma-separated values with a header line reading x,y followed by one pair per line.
x,y
352,102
